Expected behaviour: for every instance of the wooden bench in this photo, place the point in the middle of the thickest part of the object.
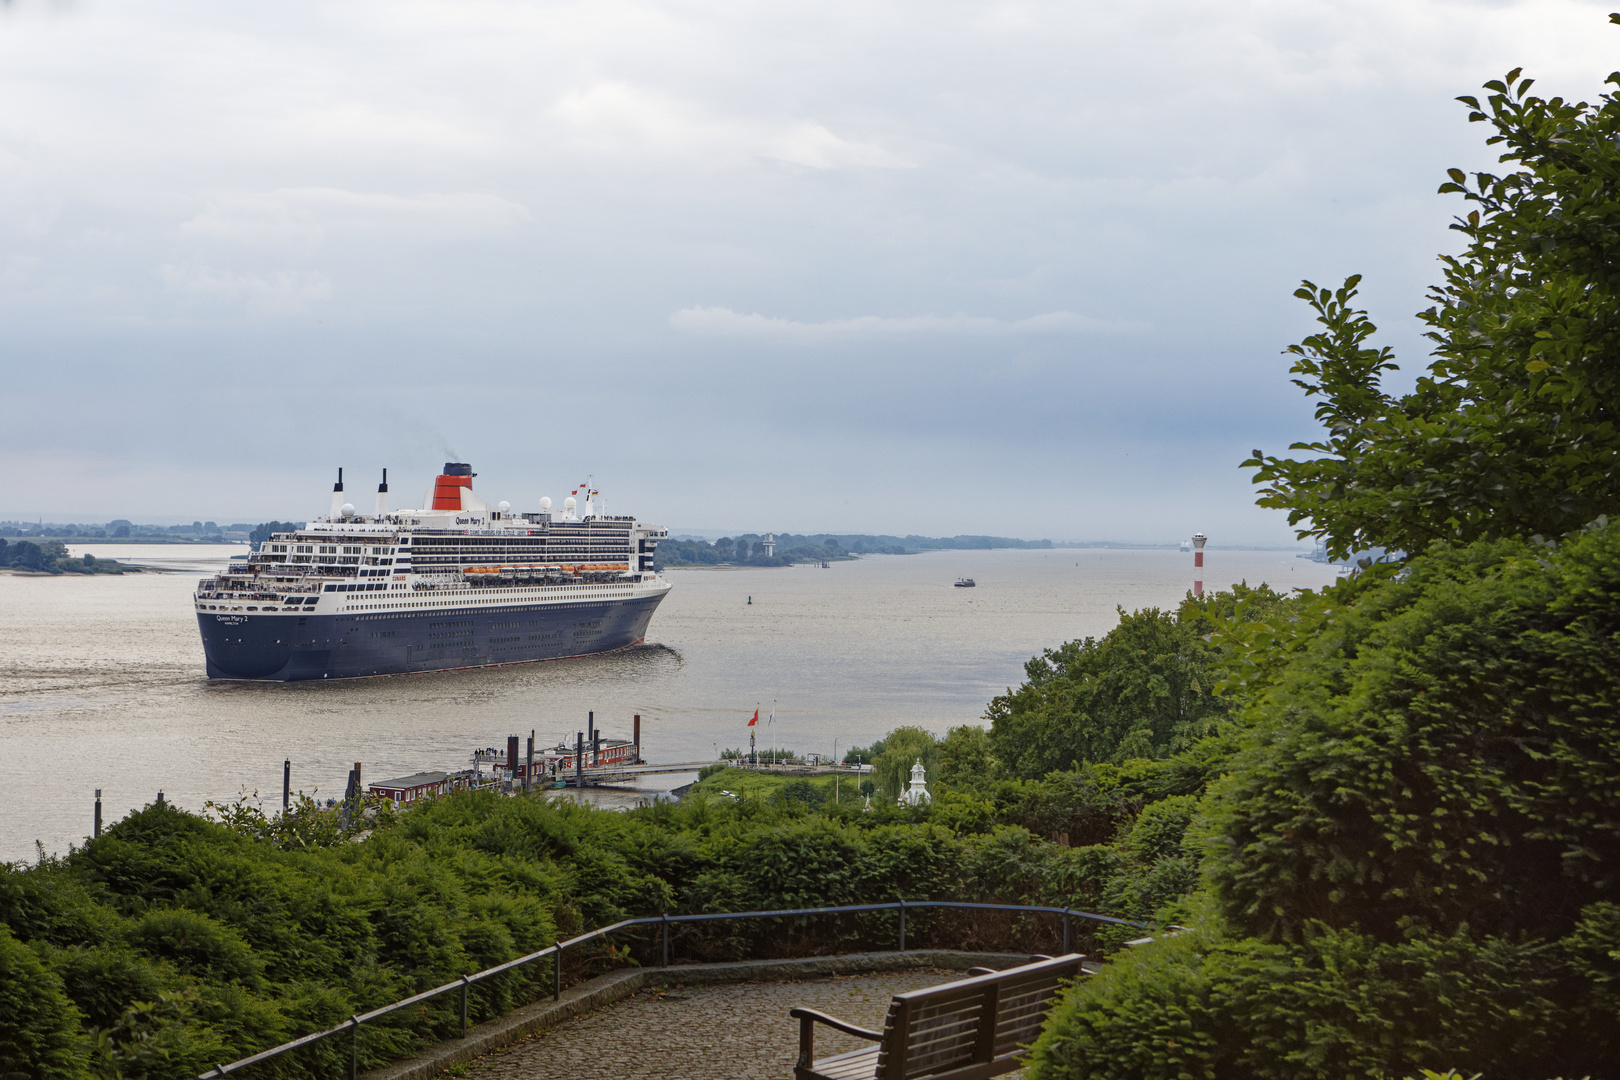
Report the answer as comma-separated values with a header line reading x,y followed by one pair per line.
x,y
974,1028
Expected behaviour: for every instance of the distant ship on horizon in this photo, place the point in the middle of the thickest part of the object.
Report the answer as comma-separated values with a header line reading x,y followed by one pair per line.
x,y
459,584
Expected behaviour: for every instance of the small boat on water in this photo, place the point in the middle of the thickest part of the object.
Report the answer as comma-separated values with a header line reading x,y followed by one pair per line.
x,y
964,583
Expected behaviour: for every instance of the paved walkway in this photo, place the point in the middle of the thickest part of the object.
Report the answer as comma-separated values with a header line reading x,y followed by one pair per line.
x,y
737,1031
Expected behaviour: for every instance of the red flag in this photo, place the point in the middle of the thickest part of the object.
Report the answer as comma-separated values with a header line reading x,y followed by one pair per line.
x,y
755,720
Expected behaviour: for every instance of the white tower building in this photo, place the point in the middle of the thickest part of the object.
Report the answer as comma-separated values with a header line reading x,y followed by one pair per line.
x,y
917,791
770,544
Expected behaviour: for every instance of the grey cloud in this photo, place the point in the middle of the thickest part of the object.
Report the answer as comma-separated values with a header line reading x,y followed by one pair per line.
x,y
724,322
309,215
1025,262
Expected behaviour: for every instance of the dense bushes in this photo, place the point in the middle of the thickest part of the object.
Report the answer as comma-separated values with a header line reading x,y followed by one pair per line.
x,y
1144,690
172,942
1446,752
39,1028
1339,1005
182,942
1415,859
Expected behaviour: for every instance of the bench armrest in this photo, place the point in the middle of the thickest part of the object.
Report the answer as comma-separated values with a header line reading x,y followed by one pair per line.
x,y
834,1022
808,1019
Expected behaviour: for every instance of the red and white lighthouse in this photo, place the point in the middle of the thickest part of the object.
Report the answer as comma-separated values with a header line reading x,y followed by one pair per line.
x,y
1198,542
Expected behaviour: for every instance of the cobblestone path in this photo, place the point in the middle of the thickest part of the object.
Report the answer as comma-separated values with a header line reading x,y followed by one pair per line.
x,y
737,1031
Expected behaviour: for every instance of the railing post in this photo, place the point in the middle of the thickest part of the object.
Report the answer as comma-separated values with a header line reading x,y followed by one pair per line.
x,y
354,1048
902,924
664,938
465,982
1065,931
556,973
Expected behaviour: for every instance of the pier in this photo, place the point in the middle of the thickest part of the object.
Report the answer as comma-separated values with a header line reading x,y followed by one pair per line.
x,y
592,777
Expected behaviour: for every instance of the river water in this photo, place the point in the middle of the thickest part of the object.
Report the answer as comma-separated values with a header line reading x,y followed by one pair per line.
x,y
102,682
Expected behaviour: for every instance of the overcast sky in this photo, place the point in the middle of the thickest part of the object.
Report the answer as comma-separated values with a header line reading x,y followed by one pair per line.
x,y
850,265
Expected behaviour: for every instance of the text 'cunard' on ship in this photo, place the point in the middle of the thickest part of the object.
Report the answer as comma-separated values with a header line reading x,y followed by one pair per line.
x,y
459,584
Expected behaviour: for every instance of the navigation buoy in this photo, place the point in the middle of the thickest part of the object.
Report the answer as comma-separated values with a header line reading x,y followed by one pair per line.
x,y
750,599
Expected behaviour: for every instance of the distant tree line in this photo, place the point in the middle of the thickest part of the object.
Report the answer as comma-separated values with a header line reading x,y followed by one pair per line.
x,y
51,557
748,549
260,533
122,528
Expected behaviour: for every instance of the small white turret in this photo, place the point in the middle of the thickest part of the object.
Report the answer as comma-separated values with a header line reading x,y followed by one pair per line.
x,y
568,506
545,504
917,791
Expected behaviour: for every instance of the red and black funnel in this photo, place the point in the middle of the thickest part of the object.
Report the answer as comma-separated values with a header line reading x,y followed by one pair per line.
x,y
447,488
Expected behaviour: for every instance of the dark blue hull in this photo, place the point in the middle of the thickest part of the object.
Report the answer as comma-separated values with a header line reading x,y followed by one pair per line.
x,y
290,648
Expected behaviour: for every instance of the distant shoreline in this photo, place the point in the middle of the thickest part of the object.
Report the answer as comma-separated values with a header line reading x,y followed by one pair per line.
x,y
86,540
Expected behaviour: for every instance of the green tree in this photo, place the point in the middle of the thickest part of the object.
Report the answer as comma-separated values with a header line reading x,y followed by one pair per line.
x,y
262,532
967,757
902,748
27,555
1445,753
39,1027
1143,690
1515,428
1412,860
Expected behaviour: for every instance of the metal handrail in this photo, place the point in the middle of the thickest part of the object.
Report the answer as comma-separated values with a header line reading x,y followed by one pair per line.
x,y
352,1025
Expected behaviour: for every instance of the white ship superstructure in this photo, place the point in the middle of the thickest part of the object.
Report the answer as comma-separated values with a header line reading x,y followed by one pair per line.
x,y
459,584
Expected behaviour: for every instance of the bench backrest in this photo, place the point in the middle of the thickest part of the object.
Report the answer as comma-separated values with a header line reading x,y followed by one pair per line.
x,y
971,1022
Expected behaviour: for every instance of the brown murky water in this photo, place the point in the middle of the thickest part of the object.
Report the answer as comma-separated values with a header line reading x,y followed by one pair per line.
x,y
102,683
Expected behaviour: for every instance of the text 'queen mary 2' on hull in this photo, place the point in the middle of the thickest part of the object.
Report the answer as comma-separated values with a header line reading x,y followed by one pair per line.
x,y
461,584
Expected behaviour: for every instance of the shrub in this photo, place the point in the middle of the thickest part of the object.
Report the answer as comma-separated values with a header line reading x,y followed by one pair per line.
x,y
1340,1004
1445,753
39,1027
1415,860
799,792
196,944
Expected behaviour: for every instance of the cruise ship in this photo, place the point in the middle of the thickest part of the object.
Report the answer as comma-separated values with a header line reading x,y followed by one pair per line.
x,y
457,585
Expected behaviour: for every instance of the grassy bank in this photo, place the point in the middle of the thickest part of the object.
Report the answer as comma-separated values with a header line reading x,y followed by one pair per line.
x,y
776,788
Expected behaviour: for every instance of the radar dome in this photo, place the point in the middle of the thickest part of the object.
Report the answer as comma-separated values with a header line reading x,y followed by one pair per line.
x,y
348,510
545,504
569,504
504,506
